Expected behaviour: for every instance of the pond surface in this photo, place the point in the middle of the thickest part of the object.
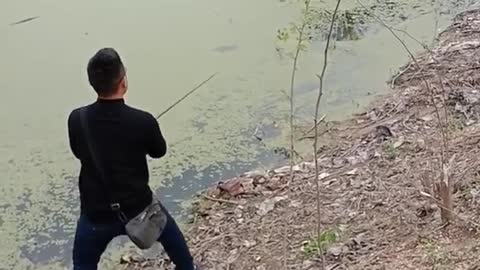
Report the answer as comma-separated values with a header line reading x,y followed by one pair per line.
x,y
169,46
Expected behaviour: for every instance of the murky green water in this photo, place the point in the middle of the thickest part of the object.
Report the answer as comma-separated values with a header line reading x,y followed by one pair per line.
x,y
168,46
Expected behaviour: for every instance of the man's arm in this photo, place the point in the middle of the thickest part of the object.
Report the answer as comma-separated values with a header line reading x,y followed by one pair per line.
x,y
157,146
71,134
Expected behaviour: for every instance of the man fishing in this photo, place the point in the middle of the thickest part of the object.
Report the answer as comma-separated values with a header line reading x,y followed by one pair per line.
x,y
123,137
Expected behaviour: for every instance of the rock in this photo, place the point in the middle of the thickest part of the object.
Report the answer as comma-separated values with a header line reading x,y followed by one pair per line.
x,y
427,118
237,186
260,181
138,258
338,162
324,162
421,145
238,212
282,170
383,132
307,264
125,259
470,122
268,205
254,174
365,155
305,166
323,175
372,115
352,172
131,258
354,160
249,244
337,250
295,203
248,186
286,169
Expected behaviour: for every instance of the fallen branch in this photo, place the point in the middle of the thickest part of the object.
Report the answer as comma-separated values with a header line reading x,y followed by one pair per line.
x,y
218,200
313,136
318,123
394,79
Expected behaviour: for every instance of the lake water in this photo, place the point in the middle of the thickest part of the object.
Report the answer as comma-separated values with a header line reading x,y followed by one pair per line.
x,y
169,46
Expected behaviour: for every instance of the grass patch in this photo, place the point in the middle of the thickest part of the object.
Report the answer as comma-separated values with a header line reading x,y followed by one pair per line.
x,y
320,245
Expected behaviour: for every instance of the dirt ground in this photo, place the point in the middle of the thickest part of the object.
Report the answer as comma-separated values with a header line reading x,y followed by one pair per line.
x,y
377,197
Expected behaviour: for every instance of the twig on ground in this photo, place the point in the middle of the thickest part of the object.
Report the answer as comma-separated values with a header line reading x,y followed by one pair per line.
x,y
313,136
318,123
218,200
399,74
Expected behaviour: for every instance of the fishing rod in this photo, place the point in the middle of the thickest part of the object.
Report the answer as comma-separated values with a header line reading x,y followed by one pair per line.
x,y
186,95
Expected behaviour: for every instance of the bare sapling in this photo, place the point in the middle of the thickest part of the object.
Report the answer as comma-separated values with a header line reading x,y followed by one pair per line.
x,y
316,122
443,187
299,46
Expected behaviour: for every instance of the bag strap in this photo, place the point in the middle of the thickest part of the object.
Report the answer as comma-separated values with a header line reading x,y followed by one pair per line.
x,y
115,206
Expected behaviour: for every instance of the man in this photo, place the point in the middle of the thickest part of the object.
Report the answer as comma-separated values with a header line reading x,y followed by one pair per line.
x,y
123,137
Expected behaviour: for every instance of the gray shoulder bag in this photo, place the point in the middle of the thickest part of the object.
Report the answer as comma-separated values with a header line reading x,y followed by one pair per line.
x,y
144,229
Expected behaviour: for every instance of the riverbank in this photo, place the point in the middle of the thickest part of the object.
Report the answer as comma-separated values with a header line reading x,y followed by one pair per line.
x,y
375,208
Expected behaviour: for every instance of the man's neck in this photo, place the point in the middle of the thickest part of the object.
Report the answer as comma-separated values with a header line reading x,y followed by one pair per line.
x,y
113,97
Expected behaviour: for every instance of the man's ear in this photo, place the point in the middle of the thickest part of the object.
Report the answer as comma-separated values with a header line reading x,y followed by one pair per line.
x,y
124,82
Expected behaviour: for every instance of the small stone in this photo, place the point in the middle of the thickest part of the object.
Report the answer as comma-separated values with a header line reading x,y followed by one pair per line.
x,y
126,259
353,160
249,244
281,170
254,174
137,258
268,205
336,250
352,172
295,203
323,175
307,264
421,143
427,118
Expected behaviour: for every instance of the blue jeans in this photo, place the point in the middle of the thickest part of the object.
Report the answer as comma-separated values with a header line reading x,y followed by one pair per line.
x,y
91,240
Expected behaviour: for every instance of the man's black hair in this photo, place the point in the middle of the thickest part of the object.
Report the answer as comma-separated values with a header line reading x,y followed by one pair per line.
x,y
105,70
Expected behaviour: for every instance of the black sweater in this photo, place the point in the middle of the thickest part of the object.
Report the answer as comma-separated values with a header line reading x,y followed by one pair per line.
x,y
124,136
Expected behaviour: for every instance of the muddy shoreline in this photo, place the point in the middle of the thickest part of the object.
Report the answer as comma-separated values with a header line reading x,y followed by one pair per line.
x,y
374,211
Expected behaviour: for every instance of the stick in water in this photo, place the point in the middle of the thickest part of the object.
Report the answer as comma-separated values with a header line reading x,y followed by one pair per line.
x,y
188,94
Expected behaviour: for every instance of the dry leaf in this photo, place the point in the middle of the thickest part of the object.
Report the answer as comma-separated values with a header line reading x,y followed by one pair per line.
x,y
399,143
